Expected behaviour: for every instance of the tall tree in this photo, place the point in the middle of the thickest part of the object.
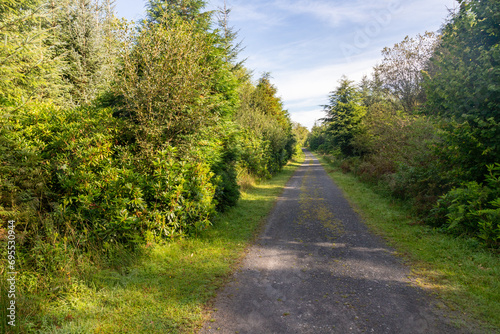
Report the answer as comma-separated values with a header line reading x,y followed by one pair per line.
x,y
262,117
401,68
174,83
265,99
190,10
228,38
85,30
28,69
464,86
343,116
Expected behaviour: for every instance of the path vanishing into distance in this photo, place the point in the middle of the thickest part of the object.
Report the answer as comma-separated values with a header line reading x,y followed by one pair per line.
x,y
317,269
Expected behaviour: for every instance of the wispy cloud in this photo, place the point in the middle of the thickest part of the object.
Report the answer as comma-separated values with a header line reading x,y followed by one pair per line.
x,y
297,84
305,43
260,16
308,118
333,13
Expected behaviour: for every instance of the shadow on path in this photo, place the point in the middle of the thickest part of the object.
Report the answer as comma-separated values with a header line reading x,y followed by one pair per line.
x,y
317,269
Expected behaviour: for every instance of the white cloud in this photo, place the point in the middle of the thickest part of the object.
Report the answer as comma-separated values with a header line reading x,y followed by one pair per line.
x,y
303,42
299,84
261,16
334,13
307,118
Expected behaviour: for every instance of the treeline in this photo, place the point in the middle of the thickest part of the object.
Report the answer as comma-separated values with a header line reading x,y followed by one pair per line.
x,y
426,126
114,133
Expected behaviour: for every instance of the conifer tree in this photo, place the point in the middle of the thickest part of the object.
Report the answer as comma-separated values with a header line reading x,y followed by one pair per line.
x,y
190,10
27,66
344,114
228,38
85,33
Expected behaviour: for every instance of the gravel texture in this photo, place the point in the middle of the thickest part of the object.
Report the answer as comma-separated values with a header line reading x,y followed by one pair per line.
x,y
317,269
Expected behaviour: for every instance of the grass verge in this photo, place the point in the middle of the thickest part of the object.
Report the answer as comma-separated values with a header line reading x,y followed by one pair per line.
x,y
463,274
168,288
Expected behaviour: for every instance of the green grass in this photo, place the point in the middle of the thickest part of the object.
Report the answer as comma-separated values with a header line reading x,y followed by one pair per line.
x,y
169,288
463,274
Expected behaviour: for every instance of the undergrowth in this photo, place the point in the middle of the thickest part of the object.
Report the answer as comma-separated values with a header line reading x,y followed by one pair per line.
x,y
161,287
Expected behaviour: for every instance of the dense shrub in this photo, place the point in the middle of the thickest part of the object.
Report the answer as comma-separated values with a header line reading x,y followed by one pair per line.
x,y
472,209
96,187
267,141
462,88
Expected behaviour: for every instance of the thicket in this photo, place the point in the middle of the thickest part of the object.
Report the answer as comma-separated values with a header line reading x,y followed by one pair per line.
x,y
114,134
425,127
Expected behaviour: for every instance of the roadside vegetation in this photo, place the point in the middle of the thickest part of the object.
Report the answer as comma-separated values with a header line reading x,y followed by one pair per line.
x,y
124,148
416,147
460,271
425,128
161,287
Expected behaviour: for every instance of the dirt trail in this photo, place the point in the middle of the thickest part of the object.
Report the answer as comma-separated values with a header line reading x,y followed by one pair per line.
x,y
317,269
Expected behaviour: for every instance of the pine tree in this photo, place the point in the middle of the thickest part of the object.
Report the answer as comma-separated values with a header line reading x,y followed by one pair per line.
x,y
228,38
344,114
85,34
28,69
190,10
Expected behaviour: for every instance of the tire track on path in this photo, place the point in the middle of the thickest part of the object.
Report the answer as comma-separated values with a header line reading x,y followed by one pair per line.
x,y
317,269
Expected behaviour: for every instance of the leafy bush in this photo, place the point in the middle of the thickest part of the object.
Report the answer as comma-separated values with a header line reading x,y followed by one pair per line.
x,y
267,142
398,153
472,209
179,195
96,190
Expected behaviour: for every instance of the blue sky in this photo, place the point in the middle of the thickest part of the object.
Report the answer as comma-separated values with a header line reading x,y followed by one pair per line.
x,y
307,45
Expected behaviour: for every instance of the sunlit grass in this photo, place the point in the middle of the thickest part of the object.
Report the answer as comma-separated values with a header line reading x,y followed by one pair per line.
x,y
169,287
465,275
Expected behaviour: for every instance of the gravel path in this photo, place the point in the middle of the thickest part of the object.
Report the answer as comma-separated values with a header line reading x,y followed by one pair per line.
x,y
317,269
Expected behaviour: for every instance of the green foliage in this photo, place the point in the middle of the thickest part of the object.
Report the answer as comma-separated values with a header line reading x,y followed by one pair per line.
x,y
463,89
28,69
164,84
178,91
420,157
85,39
179,194
174,84
224,167
267,139
472,209
187,10
228,37
317,139
144,137
300,133
96,191
344,114
264,99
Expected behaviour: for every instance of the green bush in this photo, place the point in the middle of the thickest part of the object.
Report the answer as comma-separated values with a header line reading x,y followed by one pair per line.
x,y
227,191
267,142
180,195
473,209
96,190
